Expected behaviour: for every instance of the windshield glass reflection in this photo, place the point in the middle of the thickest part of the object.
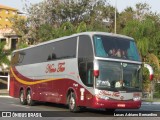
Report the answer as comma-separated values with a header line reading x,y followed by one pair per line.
x,y
118,75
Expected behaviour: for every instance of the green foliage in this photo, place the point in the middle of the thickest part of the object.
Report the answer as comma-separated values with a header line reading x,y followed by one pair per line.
x,y
66,29
143,45
54,18
3,55
146,81
82,27
45,32
157,89
22,45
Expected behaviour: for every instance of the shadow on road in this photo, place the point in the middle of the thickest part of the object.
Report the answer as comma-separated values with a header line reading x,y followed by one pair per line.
x,y
63,111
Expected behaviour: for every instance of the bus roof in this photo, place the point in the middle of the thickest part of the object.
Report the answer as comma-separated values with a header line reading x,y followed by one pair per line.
x,y
74,35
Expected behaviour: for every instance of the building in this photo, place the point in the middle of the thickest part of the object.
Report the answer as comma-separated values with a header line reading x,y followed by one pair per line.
x,y
8,36
5,13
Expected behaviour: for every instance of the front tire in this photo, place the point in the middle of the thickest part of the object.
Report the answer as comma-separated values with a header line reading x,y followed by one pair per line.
x,y
72,103
30,102
22,99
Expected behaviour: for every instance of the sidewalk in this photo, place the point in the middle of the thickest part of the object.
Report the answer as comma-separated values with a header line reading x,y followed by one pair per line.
x,y
4,92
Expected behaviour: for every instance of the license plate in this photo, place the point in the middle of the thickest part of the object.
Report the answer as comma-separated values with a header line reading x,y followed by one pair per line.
x,y
121,105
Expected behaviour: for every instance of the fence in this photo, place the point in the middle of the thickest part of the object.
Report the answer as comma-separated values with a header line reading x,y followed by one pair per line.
x,y
4,82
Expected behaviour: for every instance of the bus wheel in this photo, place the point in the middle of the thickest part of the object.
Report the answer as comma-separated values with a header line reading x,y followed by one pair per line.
x,y
30,102
72,103
22,99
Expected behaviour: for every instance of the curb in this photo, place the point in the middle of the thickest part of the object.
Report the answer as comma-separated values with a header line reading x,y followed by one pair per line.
x,y
144,103
5,96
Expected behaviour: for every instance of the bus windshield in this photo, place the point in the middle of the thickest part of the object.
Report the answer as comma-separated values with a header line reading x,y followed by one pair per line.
x,y
119,76
115,47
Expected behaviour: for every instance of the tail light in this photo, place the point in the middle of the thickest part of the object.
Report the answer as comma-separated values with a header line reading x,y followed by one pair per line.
x,y
96,73
96,69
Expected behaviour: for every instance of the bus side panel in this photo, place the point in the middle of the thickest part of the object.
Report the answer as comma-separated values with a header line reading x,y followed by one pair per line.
x,y
53,91
57,91
83,96
12,86
35,92
50,90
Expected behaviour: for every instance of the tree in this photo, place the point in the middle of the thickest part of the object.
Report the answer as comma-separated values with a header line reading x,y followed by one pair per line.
x,y
53,15
3,55
45,32
144,27
124,17
20,27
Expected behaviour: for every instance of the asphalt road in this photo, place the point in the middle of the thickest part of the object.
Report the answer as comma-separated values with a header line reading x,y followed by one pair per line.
x,y
11,106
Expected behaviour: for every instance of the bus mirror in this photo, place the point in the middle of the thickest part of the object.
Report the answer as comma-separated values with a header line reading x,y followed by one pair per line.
x,y
22,53
150,69
151,77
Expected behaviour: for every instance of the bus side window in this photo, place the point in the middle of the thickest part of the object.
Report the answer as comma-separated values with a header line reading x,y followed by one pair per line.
x,y
85,60
90,76
51,57
85,50
86,73
82,72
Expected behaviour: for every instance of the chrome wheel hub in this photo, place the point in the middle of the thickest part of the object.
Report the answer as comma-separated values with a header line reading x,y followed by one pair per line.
x,y
72,103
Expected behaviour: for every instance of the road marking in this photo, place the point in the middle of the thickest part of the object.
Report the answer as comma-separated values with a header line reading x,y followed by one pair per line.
x,y
20,106
1,96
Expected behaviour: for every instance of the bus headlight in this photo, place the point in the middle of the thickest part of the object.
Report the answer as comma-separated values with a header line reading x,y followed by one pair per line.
x,y
136,96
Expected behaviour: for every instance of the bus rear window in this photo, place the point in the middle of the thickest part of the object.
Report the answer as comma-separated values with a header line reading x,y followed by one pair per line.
x,y
115,47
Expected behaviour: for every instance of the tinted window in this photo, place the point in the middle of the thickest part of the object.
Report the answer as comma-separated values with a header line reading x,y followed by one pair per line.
x,y
85,47
115,47
86,73
63,49
85,60
118,75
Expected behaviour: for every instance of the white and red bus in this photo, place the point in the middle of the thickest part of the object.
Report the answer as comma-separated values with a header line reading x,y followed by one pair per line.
x,y
89,69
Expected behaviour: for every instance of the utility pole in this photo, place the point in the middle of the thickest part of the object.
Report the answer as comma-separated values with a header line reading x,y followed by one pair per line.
x,y
115,19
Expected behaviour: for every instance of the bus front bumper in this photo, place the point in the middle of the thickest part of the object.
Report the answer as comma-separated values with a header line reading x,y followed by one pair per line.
x,y
115,104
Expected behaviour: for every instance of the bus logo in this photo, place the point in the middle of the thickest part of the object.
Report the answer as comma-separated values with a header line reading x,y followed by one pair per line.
x,y
50,68
61,67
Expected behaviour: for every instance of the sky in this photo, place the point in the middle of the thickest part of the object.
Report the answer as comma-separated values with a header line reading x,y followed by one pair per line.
x,y
121,4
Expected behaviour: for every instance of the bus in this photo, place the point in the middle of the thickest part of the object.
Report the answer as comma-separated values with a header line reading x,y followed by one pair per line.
x,y
90,69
